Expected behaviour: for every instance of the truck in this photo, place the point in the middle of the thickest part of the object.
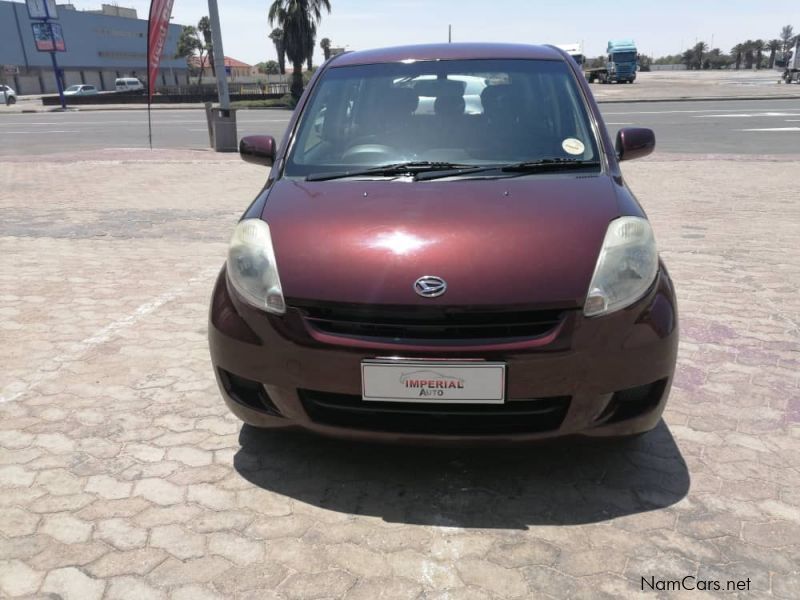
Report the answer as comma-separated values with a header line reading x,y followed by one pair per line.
x,y
621,63
792,71
575,51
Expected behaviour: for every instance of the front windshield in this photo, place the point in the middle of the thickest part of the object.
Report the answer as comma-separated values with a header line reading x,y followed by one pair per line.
x,y
73,88
624,56
473,112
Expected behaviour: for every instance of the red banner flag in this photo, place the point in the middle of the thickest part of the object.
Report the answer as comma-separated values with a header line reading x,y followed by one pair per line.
x,y
157,27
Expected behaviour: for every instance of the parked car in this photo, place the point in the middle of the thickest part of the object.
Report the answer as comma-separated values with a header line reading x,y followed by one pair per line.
x,y
446,277
80,90
8,95
128,84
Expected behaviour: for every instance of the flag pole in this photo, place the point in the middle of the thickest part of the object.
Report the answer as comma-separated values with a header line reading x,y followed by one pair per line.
x,y
149,82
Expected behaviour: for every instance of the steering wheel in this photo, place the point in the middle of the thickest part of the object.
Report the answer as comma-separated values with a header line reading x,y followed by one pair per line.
x,y
369,153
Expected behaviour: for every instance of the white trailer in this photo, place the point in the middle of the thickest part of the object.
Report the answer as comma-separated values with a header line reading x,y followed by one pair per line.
x,y
792,71
575,51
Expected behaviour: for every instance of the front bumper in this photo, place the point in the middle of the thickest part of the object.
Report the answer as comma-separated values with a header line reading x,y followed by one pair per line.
x,y
604,376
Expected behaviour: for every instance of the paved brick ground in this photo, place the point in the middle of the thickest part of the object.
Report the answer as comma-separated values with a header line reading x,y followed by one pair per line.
x,y
123,476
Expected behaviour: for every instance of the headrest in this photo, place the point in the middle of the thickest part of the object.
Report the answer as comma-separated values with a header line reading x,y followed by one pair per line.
x,y
449,105
499,98
402,101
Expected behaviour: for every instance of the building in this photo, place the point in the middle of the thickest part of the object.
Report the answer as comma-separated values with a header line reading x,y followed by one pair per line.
x,y
235,69
99,47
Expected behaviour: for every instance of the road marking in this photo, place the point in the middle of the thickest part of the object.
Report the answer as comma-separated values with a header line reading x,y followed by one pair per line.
x,y
80,349
45,131
764,114
160,123
773,129
664,112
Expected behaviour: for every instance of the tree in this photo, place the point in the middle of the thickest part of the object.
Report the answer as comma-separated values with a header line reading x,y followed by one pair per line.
x,y
774,46
758,46
269,67
596,63
737,51
749,56
204,27
277,38
190,44
715,59
699,51
787,33
299,20
325,44
310,53
687,58
670,59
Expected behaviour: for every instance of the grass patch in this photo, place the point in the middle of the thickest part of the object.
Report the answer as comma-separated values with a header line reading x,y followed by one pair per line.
x,y
286,101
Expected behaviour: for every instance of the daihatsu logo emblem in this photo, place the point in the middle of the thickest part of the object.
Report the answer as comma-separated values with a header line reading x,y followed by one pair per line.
x,y
430,286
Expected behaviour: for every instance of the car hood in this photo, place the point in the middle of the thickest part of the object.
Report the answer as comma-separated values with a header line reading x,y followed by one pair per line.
x,y
517,241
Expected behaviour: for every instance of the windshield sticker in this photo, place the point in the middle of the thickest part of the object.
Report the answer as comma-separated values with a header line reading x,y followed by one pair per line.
x,y
573,146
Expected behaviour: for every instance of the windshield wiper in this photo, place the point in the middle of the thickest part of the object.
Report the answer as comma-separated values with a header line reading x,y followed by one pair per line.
x,y
401,168
521,168
548,164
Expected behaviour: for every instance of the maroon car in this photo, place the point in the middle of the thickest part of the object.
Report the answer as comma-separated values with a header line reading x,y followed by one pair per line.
x,y
445,249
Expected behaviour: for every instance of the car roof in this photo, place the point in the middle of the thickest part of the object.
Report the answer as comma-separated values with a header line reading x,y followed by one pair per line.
x,y
447,52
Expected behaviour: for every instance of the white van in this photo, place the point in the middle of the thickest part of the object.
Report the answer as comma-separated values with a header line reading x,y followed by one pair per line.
x,y
128,84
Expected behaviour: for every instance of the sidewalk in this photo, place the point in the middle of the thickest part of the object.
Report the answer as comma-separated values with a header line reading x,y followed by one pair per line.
x,y
124,475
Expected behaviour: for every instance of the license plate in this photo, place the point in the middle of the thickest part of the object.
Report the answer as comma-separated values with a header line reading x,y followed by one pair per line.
x,y
430,381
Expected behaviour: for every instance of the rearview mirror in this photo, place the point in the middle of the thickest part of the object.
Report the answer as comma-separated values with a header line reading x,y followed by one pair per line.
x,y
634,142
258,149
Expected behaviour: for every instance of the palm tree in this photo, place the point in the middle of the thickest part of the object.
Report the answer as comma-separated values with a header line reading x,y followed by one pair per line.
x,y
758,46
699,51
774,46
298,19
310,52
277,38
325,44
787,33
749,57
736,52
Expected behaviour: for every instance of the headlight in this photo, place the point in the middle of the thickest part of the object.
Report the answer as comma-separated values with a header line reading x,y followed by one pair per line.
x,y
252,268
626,267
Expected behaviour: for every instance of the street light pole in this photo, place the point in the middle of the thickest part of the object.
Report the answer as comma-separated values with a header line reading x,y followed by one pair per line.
x,y
219,56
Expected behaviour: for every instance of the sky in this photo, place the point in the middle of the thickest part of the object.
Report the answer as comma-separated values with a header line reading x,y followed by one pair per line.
x,y
658,27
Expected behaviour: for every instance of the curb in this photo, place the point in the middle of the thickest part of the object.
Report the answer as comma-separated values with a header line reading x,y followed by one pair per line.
x,y
598,100
126,107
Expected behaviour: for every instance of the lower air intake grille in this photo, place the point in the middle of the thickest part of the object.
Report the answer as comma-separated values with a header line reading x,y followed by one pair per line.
x,y
515,416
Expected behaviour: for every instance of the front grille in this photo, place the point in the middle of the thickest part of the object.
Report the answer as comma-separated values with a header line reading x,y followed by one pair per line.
x,y
515,416
428,324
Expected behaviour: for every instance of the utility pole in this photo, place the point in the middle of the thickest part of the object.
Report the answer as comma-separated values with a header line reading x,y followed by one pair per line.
x,y
449,34
219,56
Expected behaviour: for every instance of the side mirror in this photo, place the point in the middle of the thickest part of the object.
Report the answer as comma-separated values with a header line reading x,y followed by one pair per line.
x,y
258,149
634,142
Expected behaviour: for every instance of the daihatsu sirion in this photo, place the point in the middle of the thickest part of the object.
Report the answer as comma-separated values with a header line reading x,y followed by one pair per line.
x,y
446,275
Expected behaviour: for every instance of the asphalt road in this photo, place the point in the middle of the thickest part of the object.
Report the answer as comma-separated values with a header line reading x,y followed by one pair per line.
x,y
703,127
